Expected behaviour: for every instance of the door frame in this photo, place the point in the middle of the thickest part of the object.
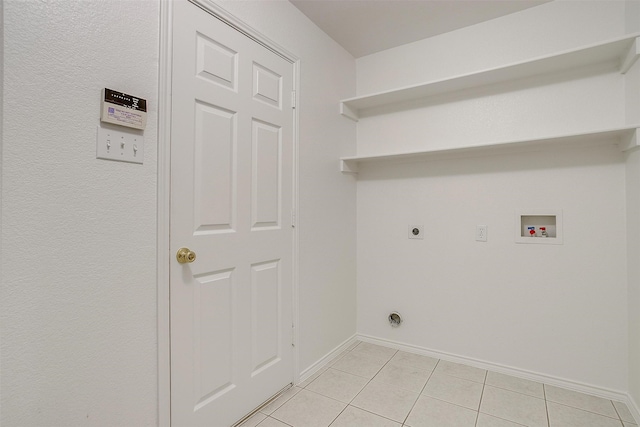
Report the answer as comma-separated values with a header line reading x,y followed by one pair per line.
x,y
163,255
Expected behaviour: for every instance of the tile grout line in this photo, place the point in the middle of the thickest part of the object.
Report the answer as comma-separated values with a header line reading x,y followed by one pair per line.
x,y
484,383
357,394
546,403
582,409
585,410
515,391
338,416
349,403
420,393
275,419
371,379
617,412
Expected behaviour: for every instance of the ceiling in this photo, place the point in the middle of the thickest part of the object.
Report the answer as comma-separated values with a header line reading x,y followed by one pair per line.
x,y
363,27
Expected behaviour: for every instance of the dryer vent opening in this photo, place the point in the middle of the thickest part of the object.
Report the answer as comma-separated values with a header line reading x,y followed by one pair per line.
x,y
395,319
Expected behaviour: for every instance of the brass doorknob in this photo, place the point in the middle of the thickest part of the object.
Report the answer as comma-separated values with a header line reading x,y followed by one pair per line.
x,y
185,255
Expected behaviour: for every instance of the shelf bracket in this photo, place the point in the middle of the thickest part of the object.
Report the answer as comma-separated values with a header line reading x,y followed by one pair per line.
x,y
349,167
629,142
631,57
348,112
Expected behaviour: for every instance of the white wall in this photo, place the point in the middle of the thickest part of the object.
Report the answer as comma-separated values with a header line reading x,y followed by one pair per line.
x,y
633,254
559,311
78,261
633,216
78,302
542,30
327,293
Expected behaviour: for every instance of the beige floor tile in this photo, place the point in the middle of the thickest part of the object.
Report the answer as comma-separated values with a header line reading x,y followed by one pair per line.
x,y
313,377
430,412
338,385
284,397
580,401
519,385
356,417
624,412
360,365
512,406
565,416
415,360
254,420
454,390
270,422
354,345
385,400
626,424
374,351
309,409
337,358
461,371
403,376
485,420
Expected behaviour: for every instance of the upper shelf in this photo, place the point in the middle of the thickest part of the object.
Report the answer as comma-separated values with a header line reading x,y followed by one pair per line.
x,y
625,136
624,50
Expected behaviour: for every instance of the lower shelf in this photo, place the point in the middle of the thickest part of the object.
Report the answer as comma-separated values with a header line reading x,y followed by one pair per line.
x,y
625,137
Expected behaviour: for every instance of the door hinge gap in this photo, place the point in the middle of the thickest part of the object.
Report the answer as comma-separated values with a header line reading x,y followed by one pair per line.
x,y
293,335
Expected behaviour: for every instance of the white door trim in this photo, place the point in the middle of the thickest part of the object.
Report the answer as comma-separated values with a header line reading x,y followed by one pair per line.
x,y
164,178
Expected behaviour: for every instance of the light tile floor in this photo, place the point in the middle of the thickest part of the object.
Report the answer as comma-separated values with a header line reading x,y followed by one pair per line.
x,y
374,386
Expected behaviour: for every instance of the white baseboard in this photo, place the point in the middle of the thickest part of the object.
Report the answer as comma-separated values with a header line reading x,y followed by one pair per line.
x,y
633,407
304,375
503,369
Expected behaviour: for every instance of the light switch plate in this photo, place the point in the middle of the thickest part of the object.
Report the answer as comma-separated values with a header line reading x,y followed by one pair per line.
x,y
120,146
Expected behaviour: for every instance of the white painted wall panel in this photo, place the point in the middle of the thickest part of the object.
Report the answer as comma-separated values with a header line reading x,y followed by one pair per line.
x,y
542,30
632,14
633,254
78,234
536,107
553,310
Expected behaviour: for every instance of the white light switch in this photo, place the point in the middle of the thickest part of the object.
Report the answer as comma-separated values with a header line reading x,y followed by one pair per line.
x,y
120,146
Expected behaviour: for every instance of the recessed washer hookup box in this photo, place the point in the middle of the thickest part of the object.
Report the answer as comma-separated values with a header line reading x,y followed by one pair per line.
x,y
123,109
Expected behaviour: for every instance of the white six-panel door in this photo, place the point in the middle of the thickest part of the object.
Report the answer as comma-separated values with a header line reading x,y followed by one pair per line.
x,y
231,201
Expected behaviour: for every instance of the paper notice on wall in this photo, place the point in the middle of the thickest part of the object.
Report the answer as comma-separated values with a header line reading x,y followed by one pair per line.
x,y
122,109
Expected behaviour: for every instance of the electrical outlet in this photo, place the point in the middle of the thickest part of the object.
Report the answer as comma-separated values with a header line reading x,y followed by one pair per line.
x,y
416,232
481,233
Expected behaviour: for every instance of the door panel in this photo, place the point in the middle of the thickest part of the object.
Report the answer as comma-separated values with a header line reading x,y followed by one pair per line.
x,y
231,185
214,158
266,161
265,322
267,85
213,340
216,62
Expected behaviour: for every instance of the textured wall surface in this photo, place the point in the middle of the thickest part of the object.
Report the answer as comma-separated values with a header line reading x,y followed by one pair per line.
x,y
78,299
